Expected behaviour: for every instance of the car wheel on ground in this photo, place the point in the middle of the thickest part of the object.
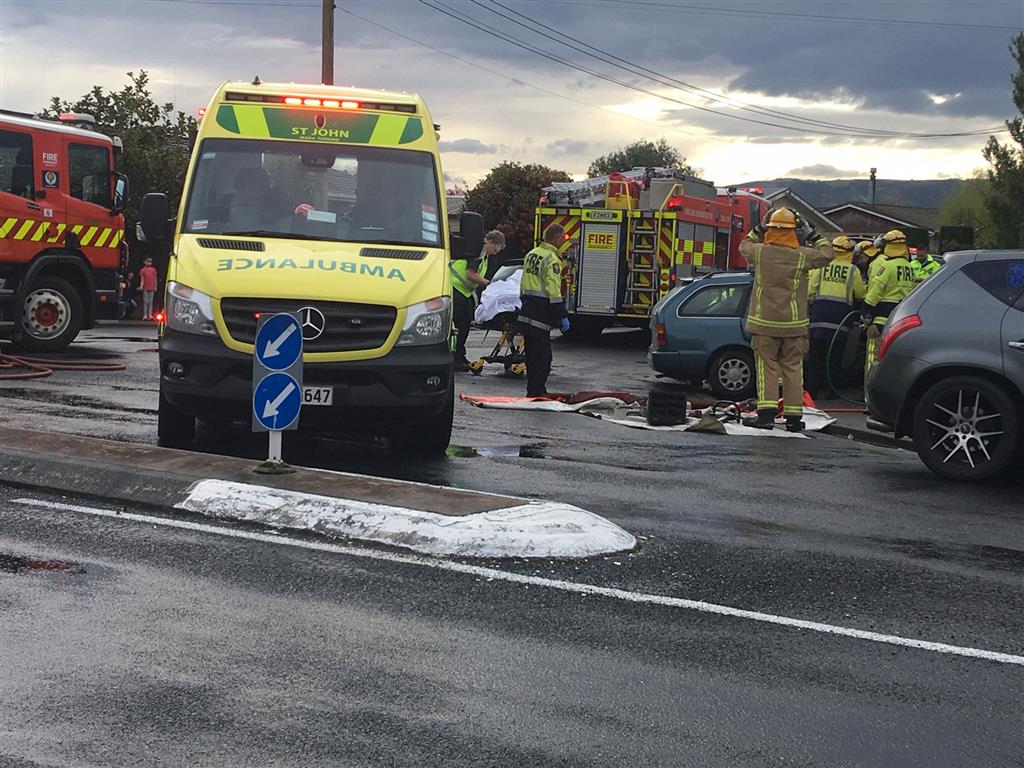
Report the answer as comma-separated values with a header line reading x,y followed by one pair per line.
x,y
51,315
731,375
174,428
966,428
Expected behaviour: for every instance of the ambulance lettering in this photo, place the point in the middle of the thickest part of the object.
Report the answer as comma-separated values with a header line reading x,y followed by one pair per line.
x,y
320,133
325,265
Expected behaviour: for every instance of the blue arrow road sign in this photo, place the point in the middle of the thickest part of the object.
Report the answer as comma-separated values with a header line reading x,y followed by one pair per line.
x,y
276,401
279,342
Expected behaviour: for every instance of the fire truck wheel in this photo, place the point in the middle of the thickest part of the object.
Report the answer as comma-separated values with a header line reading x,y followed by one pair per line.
x,y
731,375
174,428
51,315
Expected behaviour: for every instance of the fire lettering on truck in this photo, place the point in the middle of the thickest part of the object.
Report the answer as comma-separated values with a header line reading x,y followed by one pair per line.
x,y
325,265
601,241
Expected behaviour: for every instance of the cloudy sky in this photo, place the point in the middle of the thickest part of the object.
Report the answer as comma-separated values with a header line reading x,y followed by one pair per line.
x,y
744,89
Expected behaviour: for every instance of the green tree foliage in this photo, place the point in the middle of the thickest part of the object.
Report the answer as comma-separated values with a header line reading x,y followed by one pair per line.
x,y
508,195
643,153
1005,197
155,136
967,208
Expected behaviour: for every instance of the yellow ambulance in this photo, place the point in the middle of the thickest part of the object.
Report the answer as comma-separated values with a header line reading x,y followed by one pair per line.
x,y
326,202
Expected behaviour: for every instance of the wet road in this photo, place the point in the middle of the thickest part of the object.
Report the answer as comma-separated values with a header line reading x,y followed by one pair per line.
x,y
253,648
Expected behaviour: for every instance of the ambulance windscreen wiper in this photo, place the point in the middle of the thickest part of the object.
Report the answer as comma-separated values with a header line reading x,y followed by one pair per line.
x,y
269,233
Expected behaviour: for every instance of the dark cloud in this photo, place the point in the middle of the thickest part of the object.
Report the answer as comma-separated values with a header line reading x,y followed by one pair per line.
x,y
563,147
821,171
468,146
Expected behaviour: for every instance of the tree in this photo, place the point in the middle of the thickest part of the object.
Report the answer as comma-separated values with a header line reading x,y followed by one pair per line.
x,y
1005,197
967,208
508,195
156,137
642,153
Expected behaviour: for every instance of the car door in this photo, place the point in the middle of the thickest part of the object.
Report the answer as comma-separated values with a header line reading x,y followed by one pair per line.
x,y
1013,329
90,222
709,319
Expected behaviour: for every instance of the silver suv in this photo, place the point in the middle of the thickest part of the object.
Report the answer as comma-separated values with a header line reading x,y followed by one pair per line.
x,y
950,372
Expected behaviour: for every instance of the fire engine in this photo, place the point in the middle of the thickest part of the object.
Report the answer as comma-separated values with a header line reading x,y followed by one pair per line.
x,y
61,229
633,236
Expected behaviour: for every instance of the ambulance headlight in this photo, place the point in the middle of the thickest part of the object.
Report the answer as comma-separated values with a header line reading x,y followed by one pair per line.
x,y
189,310
428,322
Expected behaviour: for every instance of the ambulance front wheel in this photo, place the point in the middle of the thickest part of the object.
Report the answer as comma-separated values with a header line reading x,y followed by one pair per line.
x,y
429,438
174,428
51,315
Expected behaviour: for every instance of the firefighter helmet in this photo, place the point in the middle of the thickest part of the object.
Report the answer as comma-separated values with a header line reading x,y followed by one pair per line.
x,y
843,243
782,218
894,236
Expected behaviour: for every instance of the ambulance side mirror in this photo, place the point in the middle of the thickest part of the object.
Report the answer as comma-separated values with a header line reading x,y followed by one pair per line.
x,y
153,215
471,232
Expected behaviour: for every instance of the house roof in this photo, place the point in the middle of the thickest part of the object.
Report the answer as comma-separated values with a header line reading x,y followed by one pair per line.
x,y
903,215
456,204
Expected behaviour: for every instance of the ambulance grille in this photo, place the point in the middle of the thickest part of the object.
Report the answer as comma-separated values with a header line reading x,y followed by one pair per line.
x,y
347,326
392,253
231,245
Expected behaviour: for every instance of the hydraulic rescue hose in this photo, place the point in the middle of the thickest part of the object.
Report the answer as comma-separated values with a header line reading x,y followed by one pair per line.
x,y
38,367
828,361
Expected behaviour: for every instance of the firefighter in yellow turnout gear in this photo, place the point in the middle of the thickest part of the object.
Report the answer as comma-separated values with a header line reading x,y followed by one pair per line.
x,y
777,319
888,284
837,289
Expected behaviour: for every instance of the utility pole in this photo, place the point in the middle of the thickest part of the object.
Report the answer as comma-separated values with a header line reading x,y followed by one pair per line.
x,y
873,186
327,67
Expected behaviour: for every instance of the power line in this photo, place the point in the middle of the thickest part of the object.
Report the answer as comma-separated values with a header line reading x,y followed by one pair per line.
x,y
476,24
650,74
560,37
775,14
505,76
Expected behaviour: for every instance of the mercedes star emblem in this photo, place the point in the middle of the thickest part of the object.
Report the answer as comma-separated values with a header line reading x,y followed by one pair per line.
x,y
313,323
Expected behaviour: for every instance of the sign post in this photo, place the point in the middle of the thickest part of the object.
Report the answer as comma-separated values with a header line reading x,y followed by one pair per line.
x,y
276,383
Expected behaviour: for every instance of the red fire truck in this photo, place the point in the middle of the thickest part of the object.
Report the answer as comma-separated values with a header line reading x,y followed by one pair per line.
x,y
631,237
61,229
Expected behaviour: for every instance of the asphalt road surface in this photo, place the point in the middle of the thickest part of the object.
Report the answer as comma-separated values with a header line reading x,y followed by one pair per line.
x,y
128,641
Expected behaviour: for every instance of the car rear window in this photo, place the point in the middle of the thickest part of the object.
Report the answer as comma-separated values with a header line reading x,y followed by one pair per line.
x,y
1003,279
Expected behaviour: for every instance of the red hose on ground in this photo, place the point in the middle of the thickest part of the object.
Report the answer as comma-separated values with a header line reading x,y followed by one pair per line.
x,y
39,367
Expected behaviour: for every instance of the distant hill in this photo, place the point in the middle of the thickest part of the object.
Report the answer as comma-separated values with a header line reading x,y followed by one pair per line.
x,y
823,194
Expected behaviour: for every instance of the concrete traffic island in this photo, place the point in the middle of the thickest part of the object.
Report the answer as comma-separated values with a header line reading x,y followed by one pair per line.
x,y
432,520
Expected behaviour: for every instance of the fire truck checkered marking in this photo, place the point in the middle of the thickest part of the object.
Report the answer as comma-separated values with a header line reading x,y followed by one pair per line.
x,y
36,231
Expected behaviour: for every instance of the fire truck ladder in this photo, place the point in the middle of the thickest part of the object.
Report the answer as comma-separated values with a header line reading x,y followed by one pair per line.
x,y
593,191
642,255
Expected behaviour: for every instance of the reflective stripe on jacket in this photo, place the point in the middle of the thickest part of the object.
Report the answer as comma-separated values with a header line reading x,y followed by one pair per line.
x,y
541,288
925,270
778,304
888,287
840,288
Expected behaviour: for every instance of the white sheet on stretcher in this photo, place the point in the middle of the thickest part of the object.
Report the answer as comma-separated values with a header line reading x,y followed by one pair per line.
x,y
502,296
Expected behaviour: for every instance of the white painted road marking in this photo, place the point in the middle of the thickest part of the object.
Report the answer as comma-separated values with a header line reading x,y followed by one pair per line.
x,y
565,586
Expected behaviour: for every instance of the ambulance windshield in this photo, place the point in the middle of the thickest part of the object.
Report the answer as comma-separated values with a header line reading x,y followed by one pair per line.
x,y
314,191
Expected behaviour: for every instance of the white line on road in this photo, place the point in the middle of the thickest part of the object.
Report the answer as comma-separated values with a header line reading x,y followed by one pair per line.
x,y
565,586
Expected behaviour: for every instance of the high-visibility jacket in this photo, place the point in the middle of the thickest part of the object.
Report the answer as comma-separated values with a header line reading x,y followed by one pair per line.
x,y
460,281
541,288
840,288
888,287
924,270
778,303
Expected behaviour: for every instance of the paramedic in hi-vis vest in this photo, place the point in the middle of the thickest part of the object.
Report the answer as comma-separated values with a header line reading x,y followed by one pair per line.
x,y
467,277
543,308
835,291
777,319
888,284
